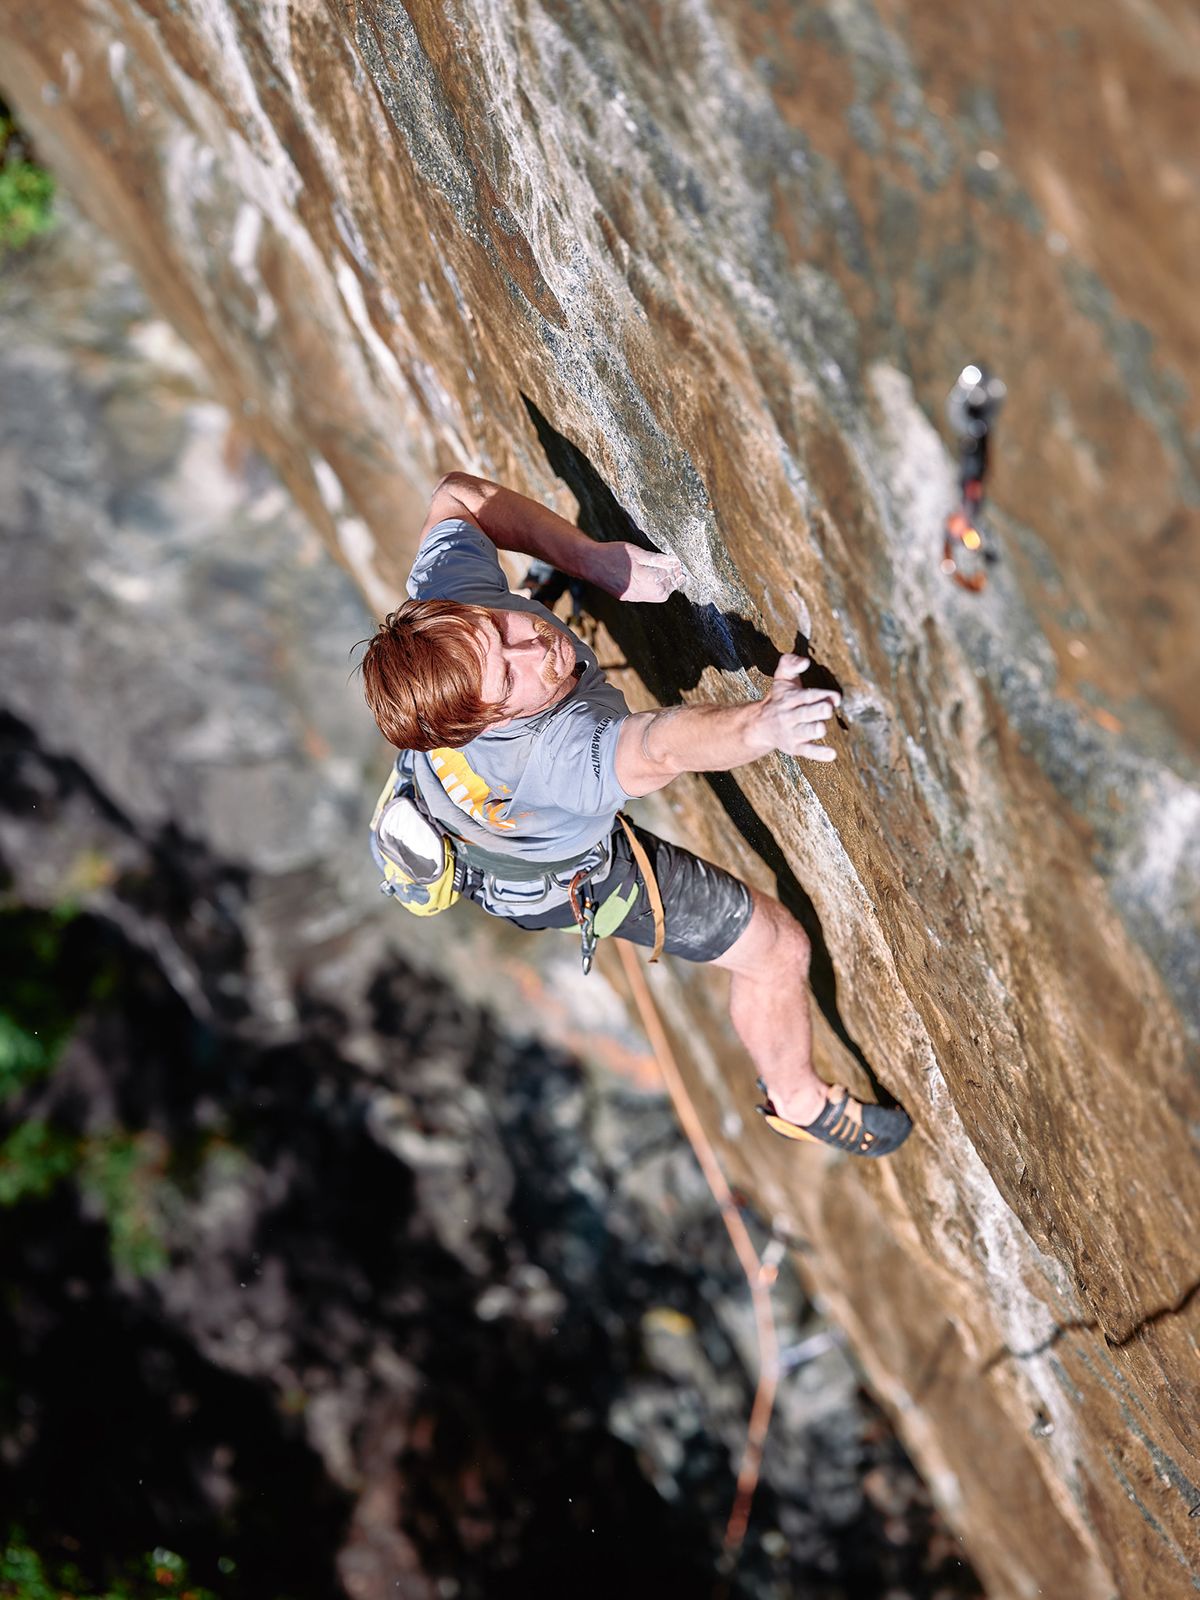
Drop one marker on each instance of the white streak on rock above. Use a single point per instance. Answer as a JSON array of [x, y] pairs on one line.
[[329, 485], [355, 303], [73, 71], [358, 547], [247, 230], [243, 253]]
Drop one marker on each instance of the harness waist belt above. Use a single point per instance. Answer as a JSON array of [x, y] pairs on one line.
[[513, 868]]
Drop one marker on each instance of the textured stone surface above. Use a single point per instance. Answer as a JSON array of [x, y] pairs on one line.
[[734, 254], [405, 1256]]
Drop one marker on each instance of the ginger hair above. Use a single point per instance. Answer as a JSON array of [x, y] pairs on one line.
[[423, 675]]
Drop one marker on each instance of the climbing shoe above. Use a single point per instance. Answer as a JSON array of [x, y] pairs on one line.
[[882, 1129]]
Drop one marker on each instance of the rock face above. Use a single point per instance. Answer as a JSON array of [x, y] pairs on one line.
[[349, 1285], [710, 269]]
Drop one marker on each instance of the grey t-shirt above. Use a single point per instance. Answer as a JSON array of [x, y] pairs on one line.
[[544, 788]]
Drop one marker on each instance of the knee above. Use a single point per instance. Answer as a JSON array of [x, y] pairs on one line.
[[797, 949], [789, 944], [773, 943]]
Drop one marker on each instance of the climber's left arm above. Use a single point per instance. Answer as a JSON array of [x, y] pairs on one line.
[[514, 522]]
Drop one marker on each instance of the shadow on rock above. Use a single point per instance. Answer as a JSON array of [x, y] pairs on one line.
[[669, 646]]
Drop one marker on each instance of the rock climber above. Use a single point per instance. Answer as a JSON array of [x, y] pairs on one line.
[[523, 754]]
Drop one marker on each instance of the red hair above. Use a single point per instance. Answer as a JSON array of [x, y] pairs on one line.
[[423, 675]]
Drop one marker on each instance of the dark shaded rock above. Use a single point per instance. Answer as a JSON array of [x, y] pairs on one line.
[[415, 1305]]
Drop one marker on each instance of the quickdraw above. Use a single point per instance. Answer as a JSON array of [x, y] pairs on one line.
[[583, 908], [971, 407]]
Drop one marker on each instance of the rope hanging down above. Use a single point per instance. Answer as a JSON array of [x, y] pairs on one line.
[[761, 1272]]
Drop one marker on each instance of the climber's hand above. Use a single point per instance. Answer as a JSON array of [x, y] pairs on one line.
[[632, 573], [792, 718]]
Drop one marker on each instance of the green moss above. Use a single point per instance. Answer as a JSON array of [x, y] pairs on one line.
[[21, 1572], [26, 198], [24, 1054], [47, 982], [26, 1575], [26, 189], [54, 970], [33, 1158], [128, 1172]]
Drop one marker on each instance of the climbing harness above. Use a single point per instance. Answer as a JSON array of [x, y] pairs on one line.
[[426, 866], [971, 408], [598, 922], [583, 908]]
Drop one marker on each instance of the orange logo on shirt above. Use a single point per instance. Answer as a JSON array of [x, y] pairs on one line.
[[467, 789]]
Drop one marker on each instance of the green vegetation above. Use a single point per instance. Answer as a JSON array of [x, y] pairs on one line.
[[26, 189], [33, 1158], [25, 1575], [24, 1054], [45, 988], [33, 1026], [128, 1174], [51, 976]]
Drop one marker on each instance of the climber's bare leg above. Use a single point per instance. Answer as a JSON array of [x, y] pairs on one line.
[[769, 1006]]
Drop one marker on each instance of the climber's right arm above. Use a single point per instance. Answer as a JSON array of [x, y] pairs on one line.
[[513, 521], [656, 746]]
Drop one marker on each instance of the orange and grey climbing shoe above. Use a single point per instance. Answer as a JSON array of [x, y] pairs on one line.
[[882, 1129]]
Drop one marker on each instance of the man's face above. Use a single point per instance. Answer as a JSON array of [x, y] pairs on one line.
[[528, 663]]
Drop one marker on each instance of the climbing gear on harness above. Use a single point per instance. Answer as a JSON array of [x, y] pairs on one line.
[[882, 1130], [600, 922], [512, 869], [971, 407], [583, 908], [416, 858], [510, 886]]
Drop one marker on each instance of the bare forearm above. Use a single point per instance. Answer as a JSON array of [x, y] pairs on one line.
[[514, 522], [656, 746]]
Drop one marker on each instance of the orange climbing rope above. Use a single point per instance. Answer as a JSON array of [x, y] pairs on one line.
[[760, 1274]]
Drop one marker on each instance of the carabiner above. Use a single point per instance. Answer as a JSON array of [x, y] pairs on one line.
[[587, 931], [583, 909]]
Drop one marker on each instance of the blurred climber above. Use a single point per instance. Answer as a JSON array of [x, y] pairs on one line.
[[517, 754]]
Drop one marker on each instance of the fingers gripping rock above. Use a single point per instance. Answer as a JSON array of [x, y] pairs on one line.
[[796, 717]]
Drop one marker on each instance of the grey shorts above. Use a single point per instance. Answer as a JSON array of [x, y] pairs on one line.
[[706, 908]]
